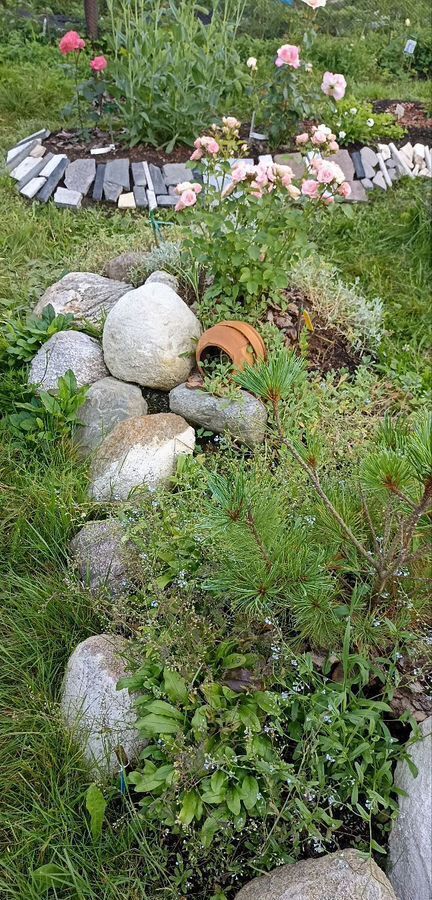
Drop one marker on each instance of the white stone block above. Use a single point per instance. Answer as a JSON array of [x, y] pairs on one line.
[[66, 199], [126, 201], [32, 187]]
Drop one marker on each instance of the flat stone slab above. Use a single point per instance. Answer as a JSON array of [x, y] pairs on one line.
[[295, 160], [35, 170], [151, 200], [378, 181], [358, 193], [166, 200], [175, 173], [38, 151], [80, 175], [53, 179], [127, 201], [140, 195], [138, 174], [66, 199], [99, 182], [111, 191], [148, 176], [343, 159], [43, 134], [21, 151], [117, 172], [51, 164], [369, 157], [157, 179], [367, 184], [358, 165], [31, 189]]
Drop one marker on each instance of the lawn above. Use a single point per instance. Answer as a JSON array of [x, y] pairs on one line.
[[383, 251]]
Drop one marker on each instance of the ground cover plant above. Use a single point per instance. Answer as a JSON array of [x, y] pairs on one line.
[[280, 607]]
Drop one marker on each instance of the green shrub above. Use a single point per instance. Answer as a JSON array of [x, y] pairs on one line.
[[355, 121], [171, 73]]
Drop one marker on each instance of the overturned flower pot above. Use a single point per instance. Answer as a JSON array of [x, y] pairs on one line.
[[238, 340]]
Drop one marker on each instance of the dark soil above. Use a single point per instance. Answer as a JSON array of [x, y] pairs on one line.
[[327, 348], [415, 119]]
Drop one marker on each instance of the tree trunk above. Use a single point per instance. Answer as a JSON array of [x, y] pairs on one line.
[[92, 18]]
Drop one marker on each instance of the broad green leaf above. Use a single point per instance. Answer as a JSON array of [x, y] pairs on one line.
[[153, 724], [95, 806], [249, 791], [189, 807], [51, 876], [234, 661], [266, 701], [161, 708], [233, 800], [209, 830], [175, 686], [218, 781]]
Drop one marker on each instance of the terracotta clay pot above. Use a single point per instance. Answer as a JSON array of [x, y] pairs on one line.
[[239, 340]]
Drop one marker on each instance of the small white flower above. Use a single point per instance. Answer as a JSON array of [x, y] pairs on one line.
[[370, 122], [407, 22], [342, 135], [308, 67], [252, 63], [353, 110]]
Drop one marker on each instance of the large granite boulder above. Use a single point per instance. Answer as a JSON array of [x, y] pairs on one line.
[[244, 417], [122, 267], [140, 451], [103, 558], [87, 296], [63, 351], [410, 844], [108, 402], [149, 337], [101, 719], [344, 875]]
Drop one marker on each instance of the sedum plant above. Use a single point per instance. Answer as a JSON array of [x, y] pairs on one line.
[[360, 551]]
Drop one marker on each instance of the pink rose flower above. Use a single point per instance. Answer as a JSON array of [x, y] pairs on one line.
[[310, 188], [99, 64], [288, 55], [326, 172], [231, 122], [188, 198], [302, 138], [70, 42], [319, 137], [240, 172], [315, 4], [344, 189], [333, 85], [333, 146], [293, 191], [197, 187], [209, 144], [197, 154]]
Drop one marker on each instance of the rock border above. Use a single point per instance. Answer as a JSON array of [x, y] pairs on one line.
[[44, 176]]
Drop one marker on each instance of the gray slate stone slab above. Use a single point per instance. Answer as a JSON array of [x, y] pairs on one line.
[[378, 181], [384, 170], [52, 181], [32, 187], [66, 199], [148, 176], [140, 195], [157, 178], [151, 200], [295, 160], [138, 174], [367, 184], [26, 167], [166, 200], [39, 165], [43, 134], [80, 175], [358, 193], [99, 182], [244, 418], [358, 165], [343, 159], [108, 402], [17, 154], [117, 172], [51, 164], [111, 191], [369, 157], [401, 161], [175, 173]]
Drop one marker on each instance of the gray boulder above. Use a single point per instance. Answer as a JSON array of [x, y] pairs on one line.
[[163, 278], [122, 267], [108, 402], [149, 337], [245, 417], [410, 844], [87, 296], [140, 451], [67, 350], [101, 719], [102, 557], [344, 875]]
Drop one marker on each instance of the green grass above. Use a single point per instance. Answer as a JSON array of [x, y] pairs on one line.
[[43, 500]]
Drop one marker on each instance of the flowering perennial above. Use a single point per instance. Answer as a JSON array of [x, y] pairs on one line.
[[333, 85], [320, 138], [71, 42], [99, 64], [288, 55]]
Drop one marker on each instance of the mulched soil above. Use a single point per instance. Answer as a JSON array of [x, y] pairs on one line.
[[328, 348], [415, 119]]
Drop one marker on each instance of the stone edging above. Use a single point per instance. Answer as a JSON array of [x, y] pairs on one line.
[[42, 176]]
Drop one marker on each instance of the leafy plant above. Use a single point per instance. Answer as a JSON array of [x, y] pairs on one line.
[[266, 766], [171, 72], [355, 121], [48, 417], [24, 337]]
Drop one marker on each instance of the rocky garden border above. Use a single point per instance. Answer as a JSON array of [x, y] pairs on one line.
[[42, 175]]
